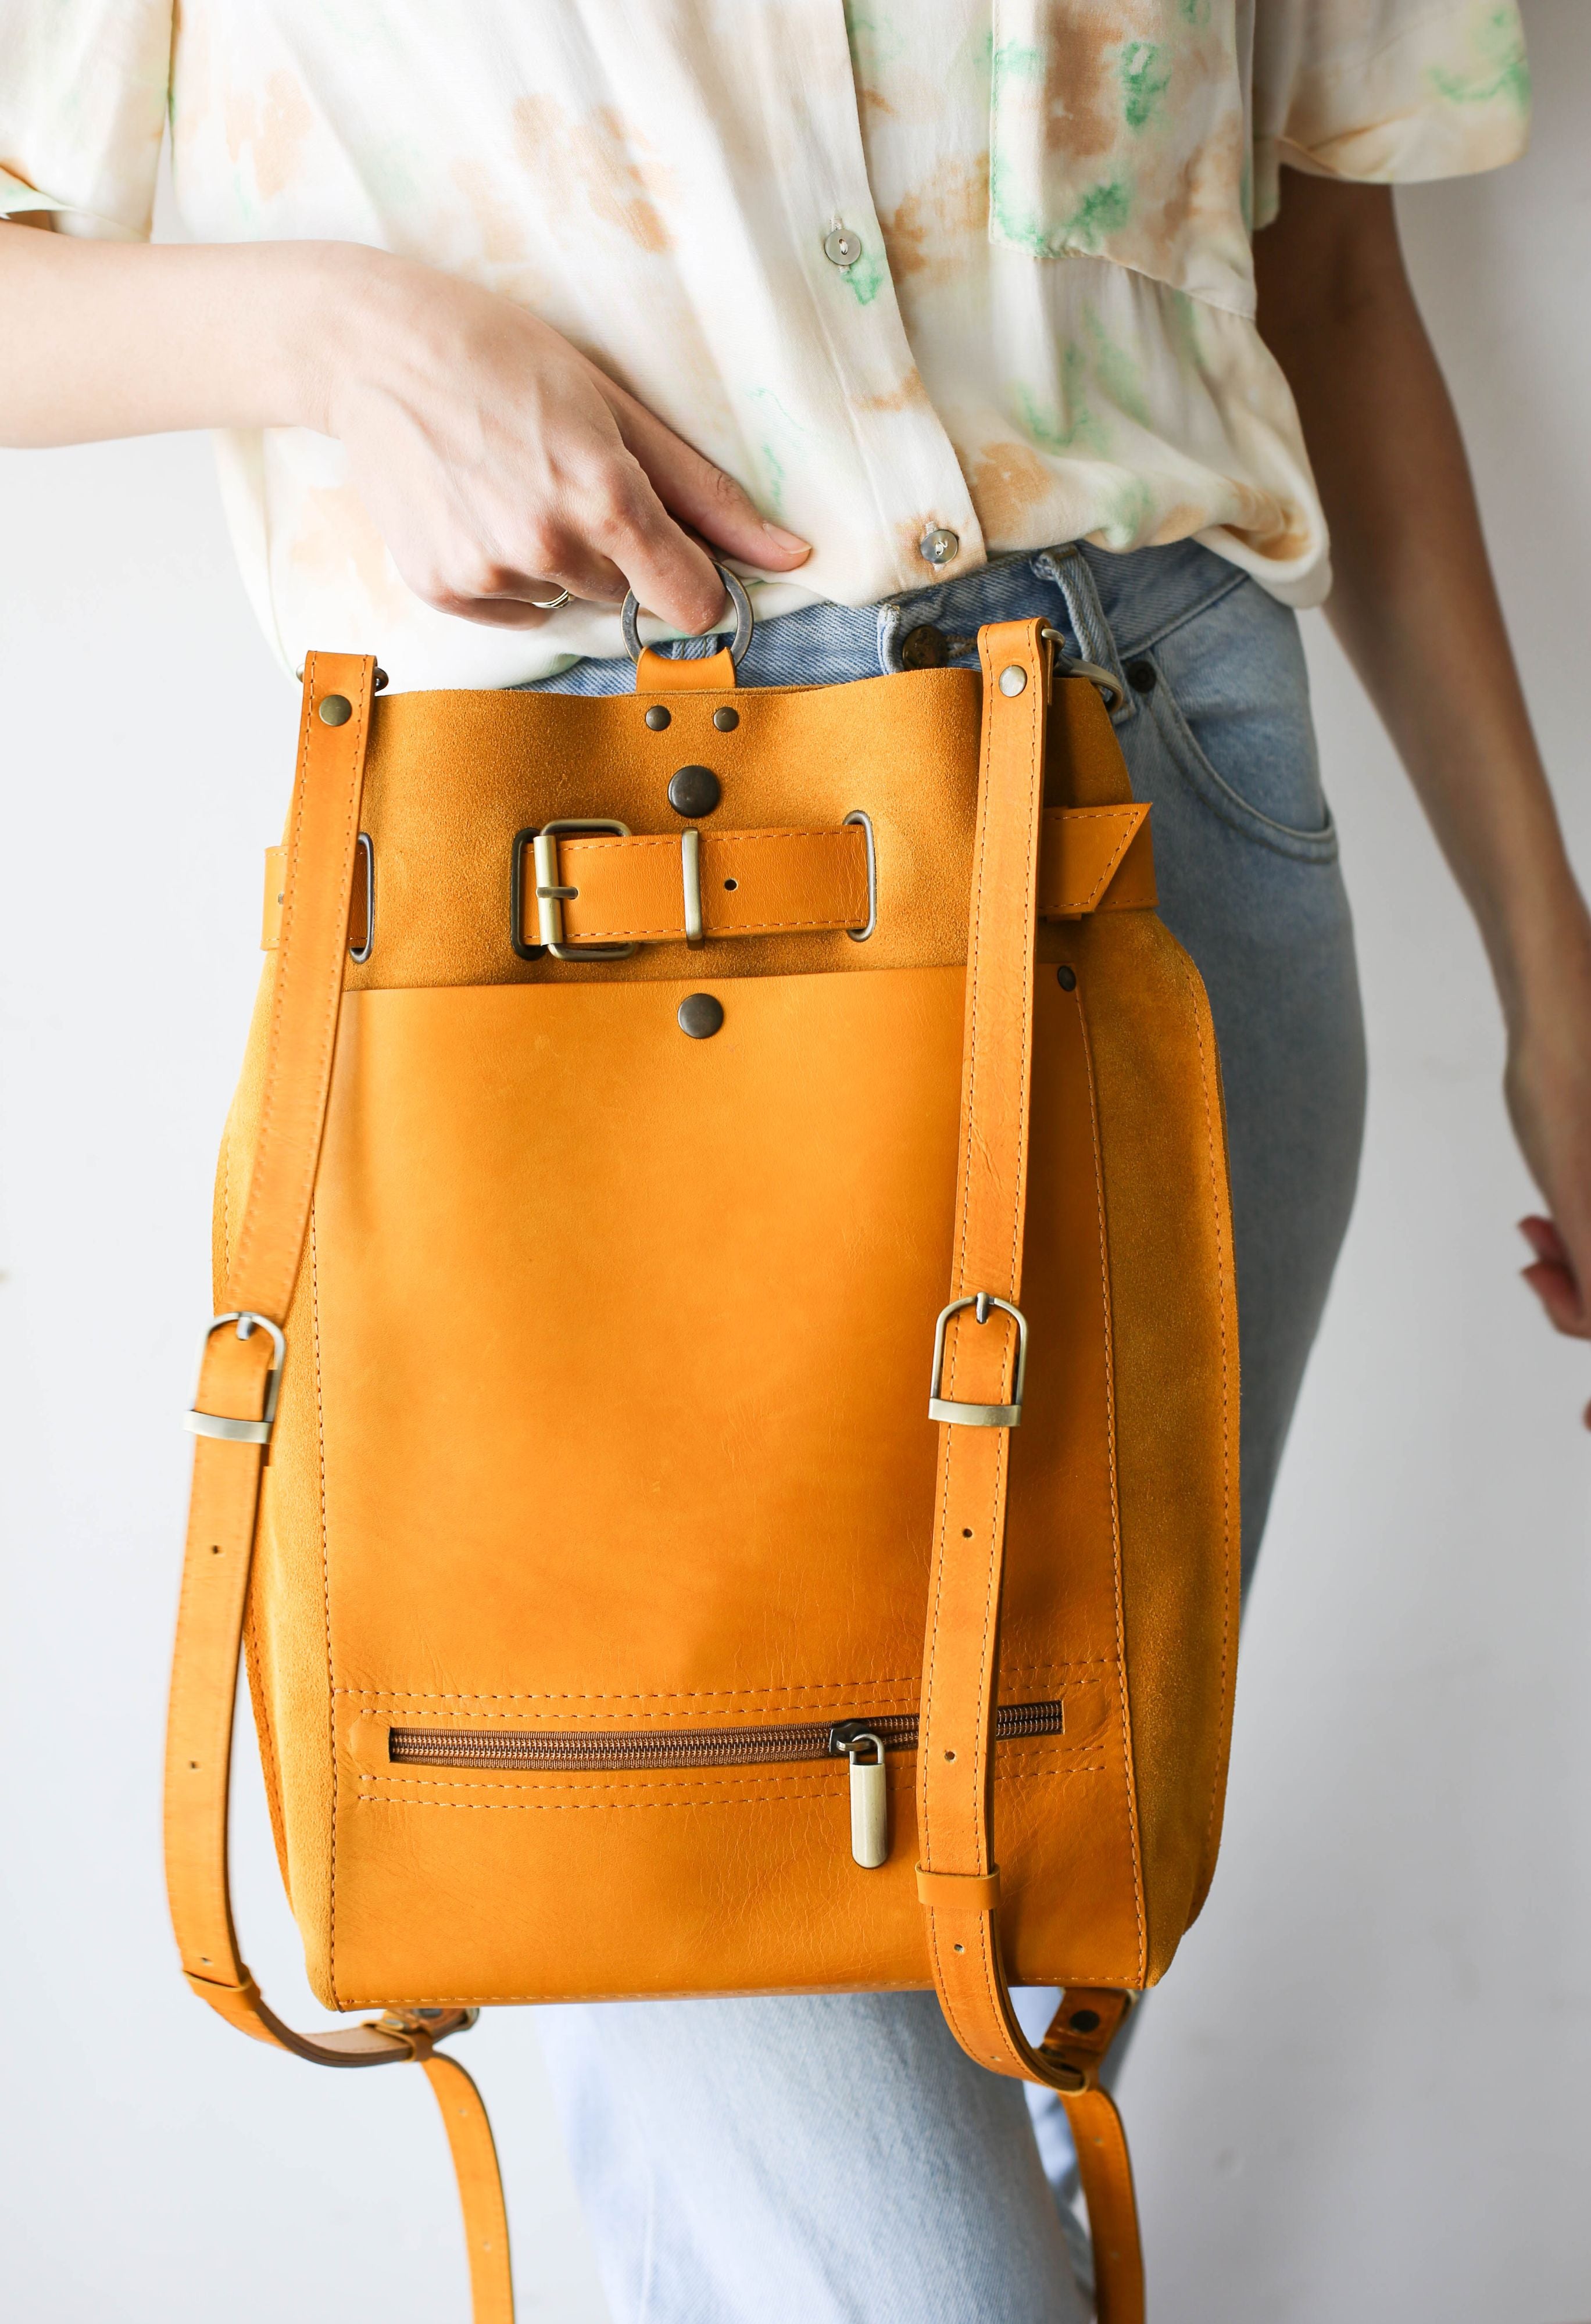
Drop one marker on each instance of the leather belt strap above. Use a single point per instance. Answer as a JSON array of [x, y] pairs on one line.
[[754, 883], [957, 1880], [236, 1394]]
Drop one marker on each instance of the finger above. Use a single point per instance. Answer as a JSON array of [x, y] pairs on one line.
[[1544, 1240], [672, 575], [701, 494], [1559, 1295]]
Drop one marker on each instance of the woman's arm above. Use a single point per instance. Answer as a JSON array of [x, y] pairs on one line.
[[1416, 609], [499, 464]]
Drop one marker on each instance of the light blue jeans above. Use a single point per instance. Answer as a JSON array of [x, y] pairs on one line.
[[837, 2160]]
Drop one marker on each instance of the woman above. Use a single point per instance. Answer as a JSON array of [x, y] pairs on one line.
[[951, 320]]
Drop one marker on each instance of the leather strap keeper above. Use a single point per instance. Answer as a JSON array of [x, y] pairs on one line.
[[959, 1891]]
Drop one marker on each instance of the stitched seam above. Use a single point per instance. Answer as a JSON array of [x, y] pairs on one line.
[[1204, 1078], [609, 1807], [734, 928], [508, 2000], [278, 1001], [326, 1591], [753, 1787], [1109, 872], [333, 997], [597, 845], [1130, 1799], [676, 1694]]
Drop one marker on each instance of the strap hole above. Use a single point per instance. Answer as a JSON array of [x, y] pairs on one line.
[[949, 1755], [959, 1949], [1083, 2021], [732, 883], [966, 1533]]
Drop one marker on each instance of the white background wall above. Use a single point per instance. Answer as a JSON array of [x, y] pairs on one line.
[[1364, 2093]]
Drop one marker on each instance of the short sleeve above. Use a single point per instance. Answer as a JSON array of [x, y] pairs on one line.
[[1386, 91], [83, 101]]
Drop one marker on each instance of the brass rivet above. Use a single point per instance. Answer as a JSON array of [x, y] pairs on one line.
[[657, 718], [700, 1015], [694, 790], [336, 710], [1012, 678], [725, 720]]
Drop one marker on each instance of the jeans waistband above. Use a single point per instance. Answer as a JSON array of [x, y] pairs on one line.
[[1106, 607]]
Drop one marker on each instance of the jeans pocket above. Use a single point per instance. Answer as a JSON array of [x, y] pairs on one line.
[[1229, 693]]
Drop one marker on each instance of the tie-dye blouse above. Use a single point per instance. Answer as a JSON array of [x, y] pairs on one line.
[[936, 280]]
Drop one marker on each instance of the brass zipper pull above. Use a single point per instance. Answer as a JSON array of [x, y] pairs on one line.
[[869, 1791]]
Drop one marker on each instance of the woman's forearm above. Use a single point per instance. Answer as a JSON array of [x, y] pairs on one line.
[[1414, 603], [101, 339]]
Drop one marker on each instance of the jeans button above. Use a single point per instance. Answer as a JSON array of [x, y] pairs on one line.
[[1141, 677], [924, 647]]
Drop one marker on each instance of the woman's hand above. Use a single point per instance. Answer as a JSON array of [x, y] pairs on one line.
[[1548, 1083], [501, 465]]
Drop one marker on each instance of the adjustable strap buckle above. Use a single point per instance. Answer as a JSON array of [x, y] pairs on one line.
[[551, 896], [979, 1415], [222, 1424]]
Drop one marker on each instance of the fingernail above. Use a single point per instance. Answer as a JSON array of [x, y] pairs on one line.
[[783, 540]]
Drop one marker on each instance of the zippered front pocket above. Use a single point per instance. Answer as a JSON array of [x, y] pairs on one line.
[[864, 1742]]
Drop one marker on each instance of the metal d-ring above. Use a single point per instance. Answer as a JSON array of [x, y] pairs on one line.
[[860, 936], [745, 621], [364, 858], [1069, 666]]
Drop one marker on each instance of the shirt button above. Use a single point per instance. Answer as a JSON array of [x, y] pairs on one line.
[[841, 247], [939, 545]]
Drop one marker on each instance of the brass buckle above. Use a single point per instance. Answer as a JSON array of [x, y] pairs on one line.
[[221, 1423], [551, 896], [979, 1415]]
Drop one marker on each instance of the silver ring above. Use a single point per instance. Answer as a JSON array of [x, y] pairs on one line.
[[745, 619], [550, 604]]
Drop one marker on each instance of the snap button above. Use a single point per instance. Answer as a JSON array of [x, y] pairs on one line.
[[700, 1015], [924, 647], [694, 790], [939, 545], [841, 247], [336, 710]]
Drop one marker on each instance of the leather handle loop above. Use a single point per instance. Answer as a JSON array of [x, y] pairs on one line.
[[322, 835], [958, 1883]]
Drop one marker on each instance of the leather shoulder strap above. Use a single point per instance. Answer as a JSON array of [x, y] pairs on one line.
[[243, 1357], [977, 1399]]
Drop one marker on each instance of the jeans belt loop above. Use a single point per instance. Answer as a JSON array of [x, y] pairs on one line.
[[1073, 576]]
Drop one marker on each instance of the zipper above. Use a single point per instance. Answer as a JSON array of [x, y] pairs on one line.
[[864, 1742]]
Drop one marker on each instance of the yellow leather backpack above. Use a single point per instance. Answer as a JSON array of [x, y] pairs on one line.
[[681, 1137]]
